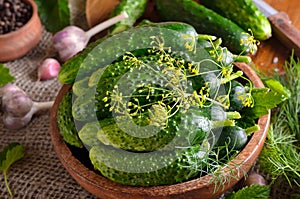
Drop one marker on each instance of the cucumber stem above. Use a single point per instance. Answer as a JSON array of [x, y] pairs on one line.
[[251, 129], [217, 43], [98, 28], [242, 58], [233, 115], [206, 37], [231, 77], [222, 123]]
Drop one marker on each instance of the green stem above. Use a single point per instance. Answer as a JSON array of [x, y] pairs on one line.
[[252, 129], [231, 77], [6, 183], [242, 58], [222, 123], [233, 115], [206, 37], [217, 43]]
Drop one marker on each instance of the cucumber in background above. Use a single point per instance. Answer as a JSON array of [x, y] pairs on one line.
[[134, 8], [206, 21], [244, 13]]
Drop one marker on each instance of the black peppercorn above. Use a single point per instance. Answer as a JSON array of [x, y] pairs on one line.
[[13, 15]]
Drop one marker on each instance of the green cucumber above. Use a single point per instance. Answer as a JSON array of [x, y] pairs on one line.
[[134, 9], [65, 121], [88, 134], [136, 39], [104, 80], [244, 13], [182, 130], [135, 137], [148, 169], [140, 135], [234, 137], [207, 21], [237, 96]]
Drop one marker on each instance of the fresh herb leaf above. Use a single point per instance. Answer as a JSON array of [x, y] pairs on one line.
[[267, 98], [280, 156], [5, 76], [55, 14], [251, 192], [276, 86], [10, 154]]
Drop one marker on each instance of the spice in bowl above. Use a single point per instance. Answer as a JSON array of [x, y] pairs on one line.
[[13, 15]]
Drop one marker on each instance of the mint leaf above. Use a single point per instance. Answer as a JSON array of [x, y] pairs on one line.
[[5, 77], [251, 192], [55, 14], [10, 154]]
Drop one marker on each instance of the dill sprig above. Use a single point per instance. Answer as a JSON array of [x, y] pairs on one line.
[[280, 156]]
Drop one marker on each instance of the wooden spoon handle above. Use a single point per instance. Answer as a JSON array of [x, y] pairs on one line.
[[286, 32]]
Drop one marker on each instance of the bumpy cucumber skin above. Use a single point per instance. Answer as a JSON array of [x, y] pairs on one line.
[[113, 135], [134, 9], [236, 96], [172, 169], [206, 21], [83, 107], [244, 13], [66, 123], [88, 134], [108, 50], [182, 130], [233, 136]]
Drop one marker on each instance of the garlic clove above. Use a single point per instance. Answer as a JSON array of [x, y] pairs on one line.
[[15, 123], [69, 41], [48, 69], [15, 101]]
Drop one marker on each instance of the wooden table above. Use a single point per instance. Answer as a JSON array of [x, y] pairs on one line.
[[272, 54]]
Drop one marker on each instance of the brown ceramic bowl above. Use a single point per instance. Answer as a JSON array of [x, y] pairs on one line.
[[18, 43], [201, 187]]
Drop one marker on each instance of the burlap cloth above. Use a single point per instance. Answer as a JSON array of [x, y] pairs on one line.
[[40, 174]]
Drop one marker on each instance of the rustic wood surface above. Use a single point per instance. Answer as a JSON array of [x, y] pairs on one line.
[[272, 54]]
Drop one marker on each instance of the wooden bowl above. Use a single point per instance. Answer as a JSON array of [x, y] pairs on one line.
[[18, 43], [201, 187]]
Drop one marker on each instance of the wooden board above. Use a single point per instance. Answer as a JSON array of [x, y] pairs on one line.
[[272, 54]]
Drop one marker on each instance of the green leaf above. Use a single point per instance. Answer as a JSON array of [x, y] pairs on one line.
[[5, 77], [276, 86], [264, 100], [10, 154], [251, 192], [55, 14]]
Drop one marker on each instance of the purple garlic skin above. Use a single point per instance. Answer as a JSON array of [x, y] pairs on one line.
[[48, 69], [15, 101], [69, 41], [15, 123]]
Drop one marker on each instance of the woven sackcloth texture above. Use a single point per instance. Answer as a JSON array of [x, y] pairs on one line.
[[39, 174]]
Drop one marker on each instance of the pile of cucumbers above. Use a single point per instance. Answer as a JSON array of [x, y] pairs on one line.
[[159, 103]]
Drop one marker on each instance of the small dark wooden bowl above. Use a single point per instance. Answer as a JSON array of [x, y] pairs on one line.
[[18, 43], [198, 188]]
